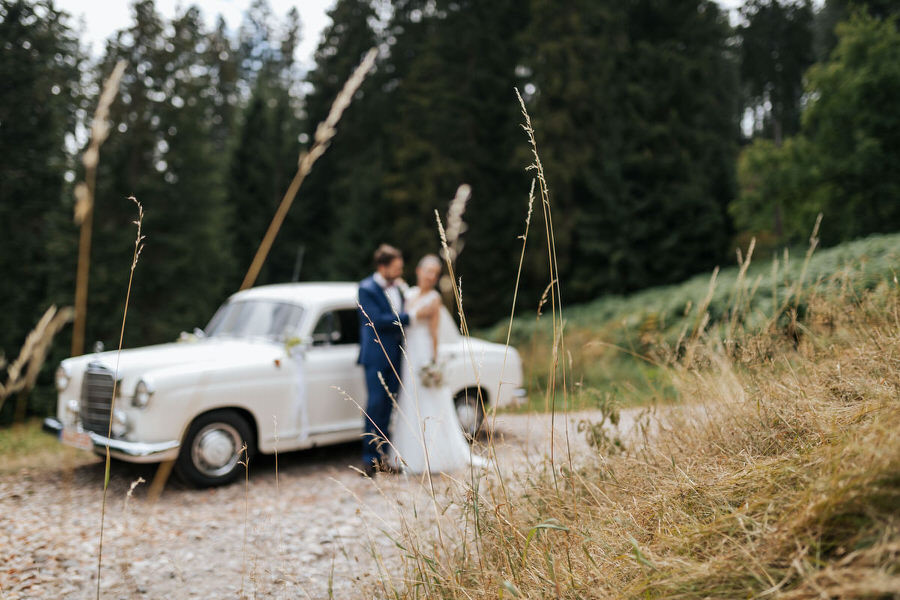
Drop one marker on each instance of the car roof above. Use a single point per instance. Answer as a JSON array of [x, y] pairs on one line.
[[303, 293]]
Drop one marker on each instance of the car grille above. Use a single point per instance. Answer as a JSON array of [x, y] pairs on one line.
[[96, 398]]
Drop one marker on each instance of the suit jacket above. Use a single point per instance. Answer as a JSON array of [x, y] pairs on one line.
[[378, 310]]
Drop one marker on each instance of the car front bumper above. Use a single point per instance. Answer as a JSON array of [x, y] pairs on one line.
[[128, 451]]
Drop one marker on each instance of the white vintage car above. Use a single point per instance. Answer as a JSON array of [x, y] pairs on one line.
[[275, 365]]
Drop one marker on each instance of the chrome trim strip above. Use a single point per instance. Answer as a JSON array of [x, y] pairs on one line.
[[337, 427], [53, 426]]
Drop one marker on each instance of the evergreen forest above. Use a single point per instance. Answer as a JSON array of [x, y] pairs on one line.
[[670, 132]]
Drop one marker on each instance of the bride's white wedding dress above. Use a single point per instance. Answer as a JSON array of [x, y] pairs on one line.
[[426, 431]]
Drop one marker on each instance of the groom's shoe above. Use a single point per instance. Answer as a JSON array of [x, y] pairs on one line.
[[368, 470], [386, 467]]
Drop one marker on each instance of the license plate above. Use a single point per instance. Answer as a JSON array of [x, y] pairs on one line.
[[76, 439]]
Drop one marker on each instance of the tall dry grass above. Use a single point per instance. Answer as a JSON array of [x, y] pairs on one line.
[[21, 374], [138, 248], [776, 477]]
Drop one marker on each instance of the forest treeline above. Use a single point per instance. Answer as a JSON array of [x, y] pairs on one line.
[[638, 107]]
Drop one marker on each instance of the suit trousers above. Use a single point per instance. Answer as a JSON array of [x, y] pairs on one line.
[[378, 412]]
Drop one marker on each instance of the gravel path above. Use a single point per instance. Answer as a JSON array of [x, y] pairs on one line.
[[307, 532]]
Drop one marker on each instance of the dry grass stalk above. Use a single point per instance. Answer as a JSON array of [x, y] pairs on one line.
[[246, 464], [138, 247], [793, 293], [451, 238], [22, 373], [557, 369], [512, 311], [324, 134], [84, 201], [427, 570]]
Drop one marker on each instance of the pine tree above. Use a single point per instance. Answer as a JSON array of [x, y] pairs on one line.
[[264, 158], [776, 50], [455, 120], [39, 68], [680, 108], [344, 189], [162, 153], [223, 60], [635, 111], [573, 63]]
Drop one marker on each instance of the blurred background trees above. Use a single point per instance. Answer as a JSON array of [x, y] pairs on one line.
[[842, 159], [669, 135]]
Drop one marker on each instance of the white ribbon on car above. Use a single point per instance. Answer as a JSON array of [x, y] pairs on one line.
[[301, 415]]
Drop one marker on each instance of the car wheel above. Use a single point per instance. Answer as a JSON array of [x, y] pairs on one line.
[[213, 448], [469, 411]]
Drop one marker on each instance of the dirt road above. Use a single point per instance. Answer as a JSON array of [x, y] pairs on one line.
[[311, 531]]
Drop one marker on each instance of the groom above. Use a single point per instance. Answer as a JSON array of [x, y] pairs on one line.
[[380, 340]]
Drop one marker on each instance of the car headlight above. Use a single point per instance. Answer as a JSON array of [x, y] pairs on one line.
[[62, 378], [142, 394]]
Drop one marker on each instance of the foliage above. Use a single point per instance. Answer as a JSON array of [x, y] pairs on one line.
[[163, 155], [841, 162], [344, 191], [853, 128], [264, 156], [635, 108], [833, 12], [614, 341], [41, 93], [453, 120], [775, 190], [776, 50]]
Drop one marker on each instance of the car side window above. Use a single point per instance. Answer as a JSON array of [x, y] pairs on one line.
[[349, 320], [336, 327], [327, 331]]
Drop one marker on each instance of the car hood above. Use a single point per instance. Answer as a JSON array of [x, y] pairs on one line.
[[202, 354]]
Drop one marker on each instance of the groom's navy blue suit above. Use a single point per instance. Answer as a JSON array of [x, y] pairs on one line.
[[379, 353]]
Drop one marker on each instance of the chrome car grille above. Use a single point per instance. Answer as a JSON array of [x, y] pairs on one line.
[[96, 398]]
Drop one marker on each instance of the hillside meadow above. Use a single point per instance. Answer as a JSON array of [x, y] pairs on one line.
[[617, 347], [773, 476]]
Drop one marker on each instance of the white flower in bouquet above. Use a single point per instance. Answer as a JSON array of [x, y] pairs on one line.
[[432, 375]]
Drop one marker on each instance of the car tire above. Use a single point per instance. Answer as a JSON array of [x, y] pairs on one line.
[[469, 411], [213, 448]]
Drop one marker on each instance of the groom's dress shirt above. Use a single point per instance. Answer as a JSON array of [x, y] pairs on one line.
[[392, 292]]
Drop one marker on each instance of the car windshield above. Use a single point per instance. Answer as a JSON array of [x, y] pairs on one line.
[[255, 319]]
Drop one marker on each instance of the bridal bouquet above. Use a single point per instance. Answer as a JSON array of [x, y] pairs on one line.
[[432, 375]]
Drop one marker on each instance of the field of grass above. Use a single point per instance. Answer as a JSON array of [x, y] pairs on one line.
[[616, 347], [25, 446], [775, 476]]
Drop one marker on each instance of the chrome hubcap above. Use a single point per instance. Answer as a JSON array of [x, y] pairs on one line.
[[216, 449]]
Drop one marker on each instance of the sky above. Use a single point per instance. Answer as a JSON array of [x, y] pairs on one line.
[[102, 19]]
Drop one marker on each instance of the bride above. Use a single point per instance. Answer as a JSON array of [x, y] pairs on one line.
[[427, 435]]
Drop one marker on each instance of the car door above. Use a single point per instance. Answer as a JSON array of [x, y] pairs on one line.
[[335, 384]]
